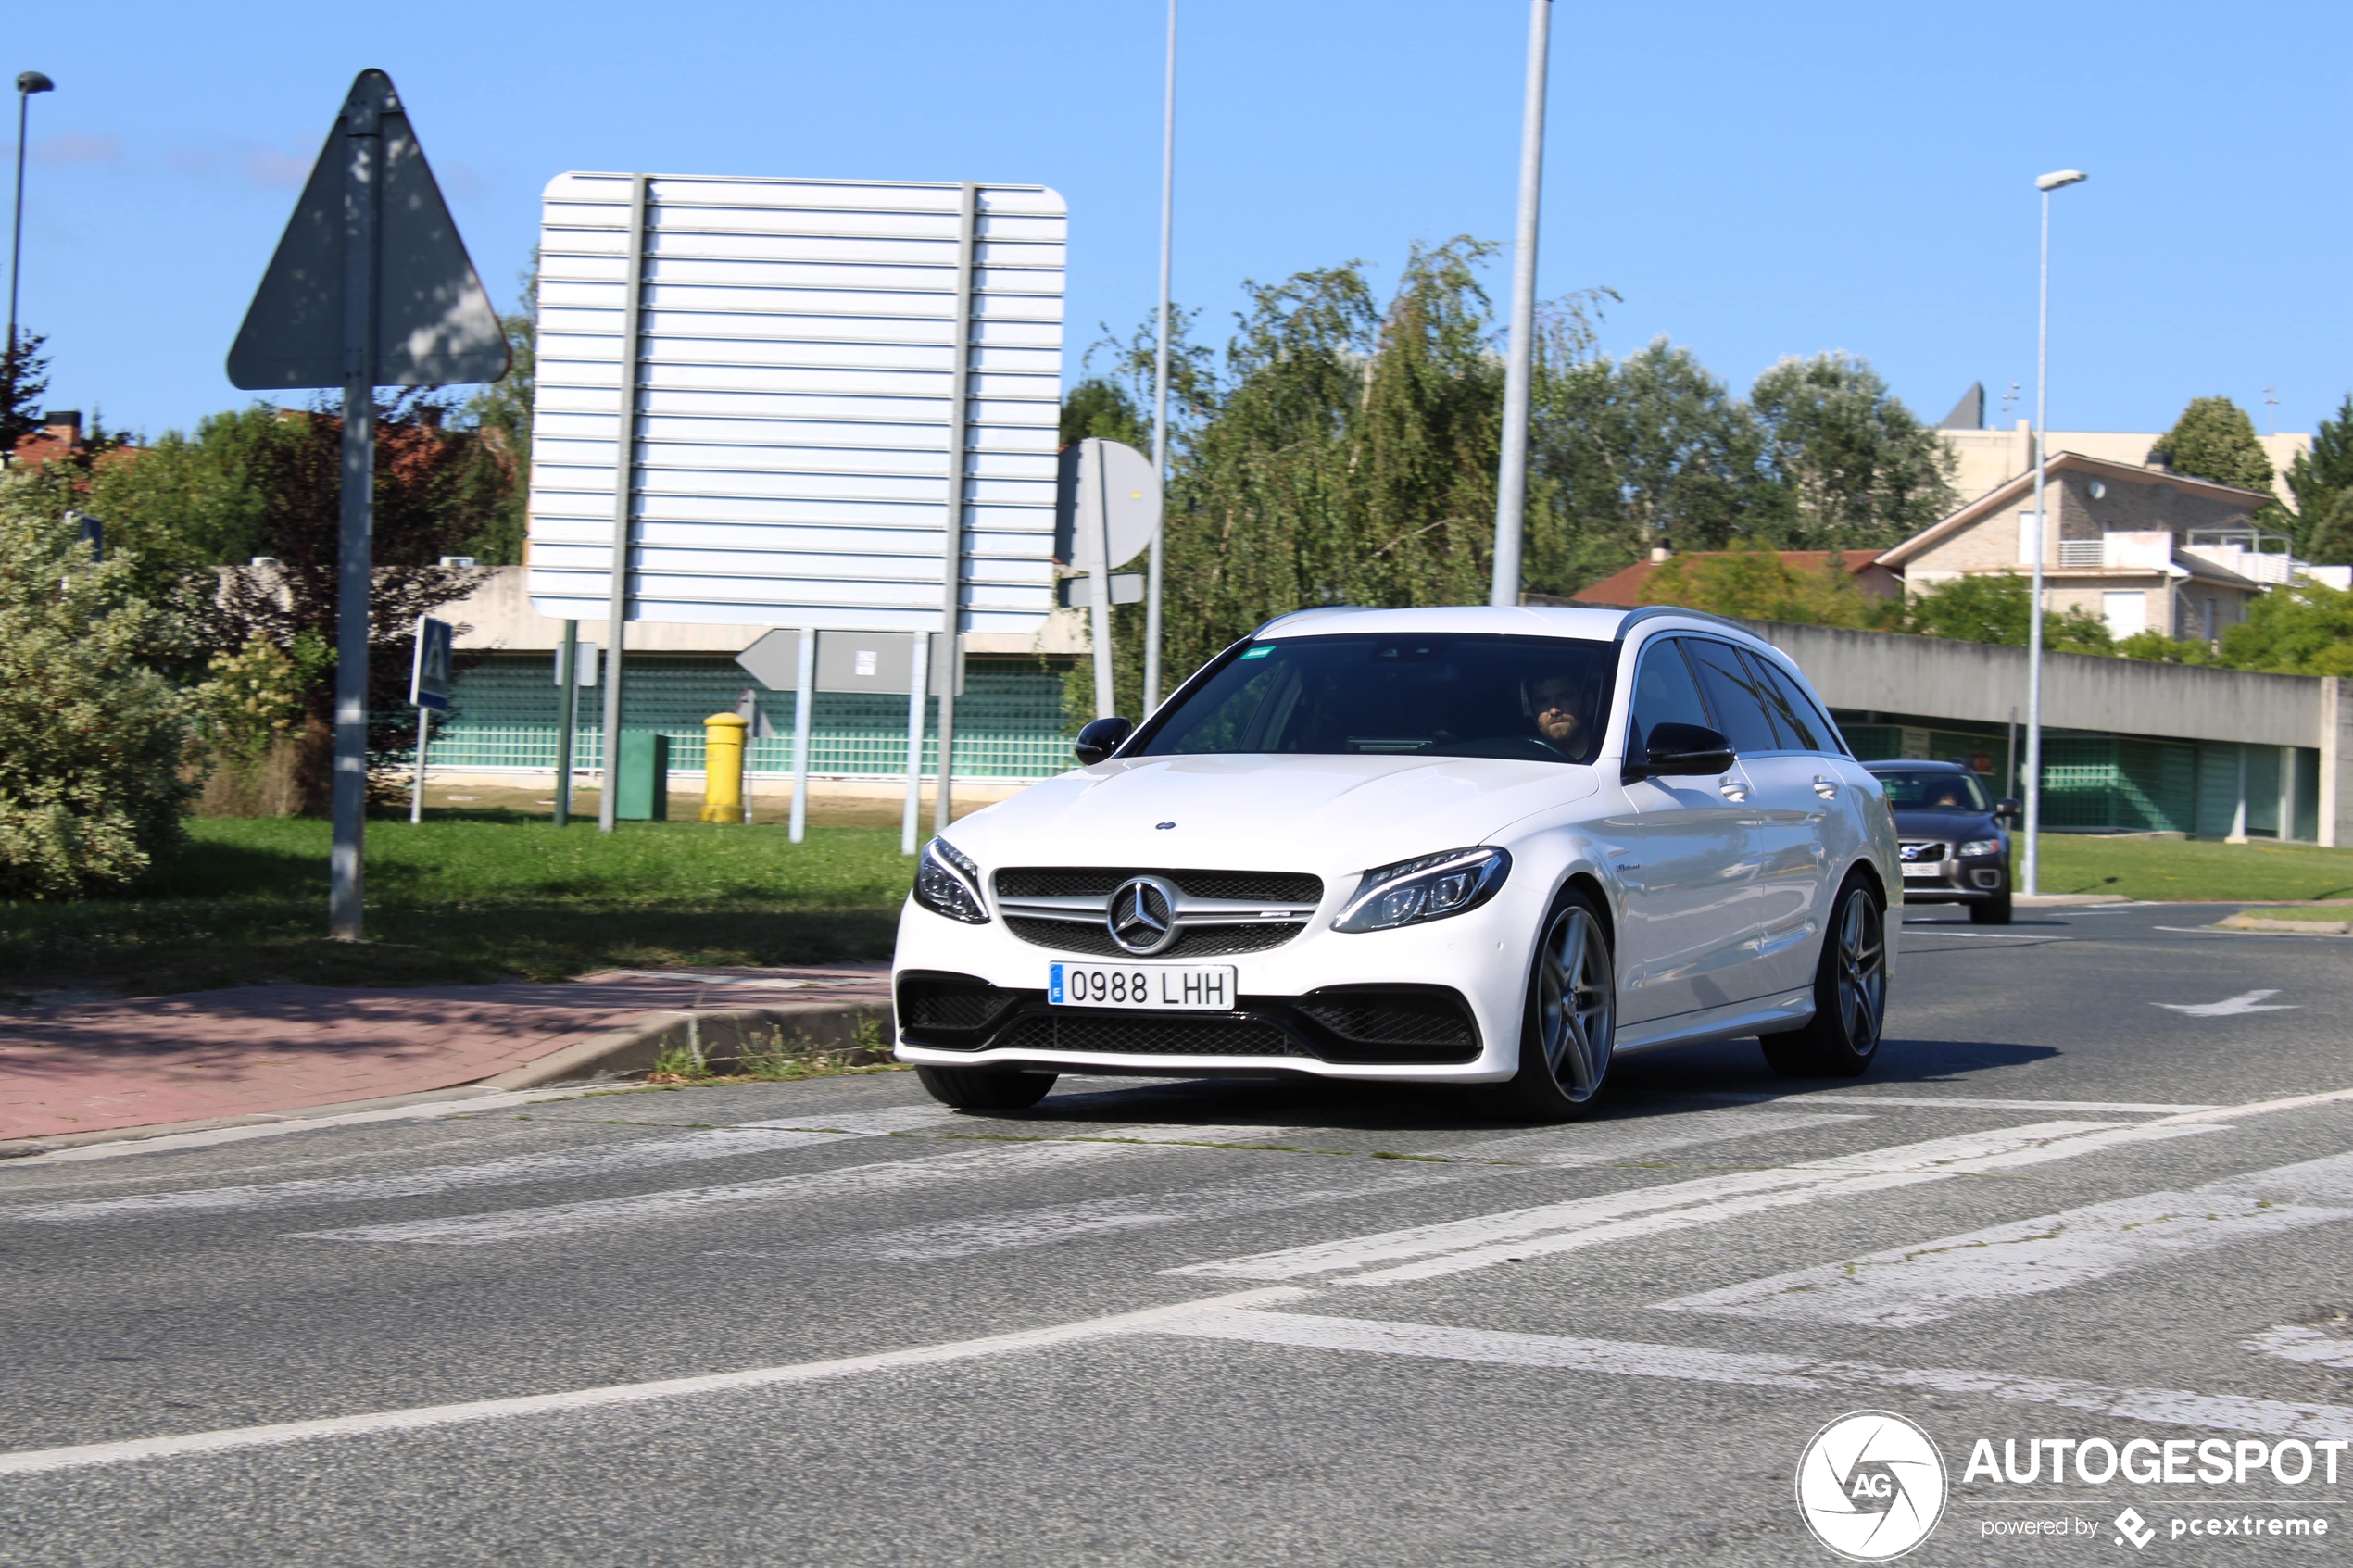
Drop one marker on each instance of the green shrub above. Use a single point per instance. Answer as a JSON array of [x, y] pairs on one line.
[[92, 736]]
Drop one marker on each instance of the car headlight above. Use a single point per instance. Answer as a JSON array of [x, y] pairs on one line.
[[947, 883], [1981, 846], [1430, 888]]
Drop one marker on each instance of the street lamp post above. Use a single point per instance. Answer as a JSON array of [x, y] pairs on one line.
[[2046, 183], [1511, 478], [1159, 374], [28, 83]]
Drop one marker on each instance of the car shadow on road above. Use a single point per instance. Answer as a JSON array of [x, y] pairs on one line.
[[1666, 1083]]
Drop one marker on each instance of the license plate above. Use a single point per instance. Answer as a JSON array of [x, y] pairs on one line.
[[1195, 987]]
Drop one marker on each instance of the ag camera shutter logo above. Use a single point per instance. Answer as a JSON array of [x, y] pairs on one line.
[[1872, 1485]]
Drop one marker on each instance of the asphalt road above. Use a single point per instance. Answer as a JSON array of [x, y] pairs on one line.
[[1240, 1322]]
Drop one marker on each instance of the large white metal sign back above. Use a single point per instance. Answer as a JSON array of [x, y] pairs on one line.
[[797, 402]]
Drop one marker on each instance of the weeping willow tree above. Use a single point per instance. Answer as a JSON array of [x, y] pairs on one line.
[[1339, 450]]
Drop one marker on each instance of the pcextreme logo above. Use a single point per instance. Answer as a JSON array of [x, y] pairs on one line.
[[1872, 1485]]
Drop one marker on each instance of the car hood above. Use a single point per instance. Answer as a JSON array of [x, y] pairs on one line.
[[1265, 812], [1957, 826]]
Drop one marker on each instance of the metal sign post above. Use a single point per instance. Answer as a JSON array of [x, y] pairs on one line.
[[918, 666], [567, 716], [429, 688], [370, 286]]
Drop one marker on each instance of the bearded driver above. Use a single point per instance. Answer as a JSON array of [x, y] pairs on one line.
[[1559, 702]]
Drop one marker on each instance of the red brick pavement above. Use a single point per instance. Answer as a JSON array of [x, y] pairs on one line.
[[255, 1050]]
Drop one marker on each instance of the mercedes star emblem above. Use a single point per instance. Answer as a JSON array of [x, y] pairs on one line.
[[1141, 916]]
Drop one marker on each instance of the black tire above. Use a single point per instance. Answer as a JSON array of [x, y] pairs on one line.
[[1850, 994], [1570, 1024], [982, 1088], [1992, 912]]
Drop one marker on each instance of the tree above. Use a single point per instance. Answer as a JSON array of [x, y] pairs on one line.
[[2306, 629], [1103, 408], [2214, 439], [1649, 450], [24, 382], [92, 736], [1753, 583], [1993, 607], [425, 507], [2322, 482], [1857, 470], [501, 412]]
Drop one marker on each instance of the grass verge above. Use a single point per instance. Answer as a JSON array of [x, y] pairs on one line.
[[468, 897], [2195, 870]]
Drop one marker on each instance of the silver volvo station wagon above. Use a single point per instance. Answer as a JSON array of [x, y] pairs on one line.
[[1496, 847]]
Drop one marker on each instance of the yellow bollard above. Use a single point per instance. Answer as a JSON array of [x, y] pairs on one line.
[[722, 787]]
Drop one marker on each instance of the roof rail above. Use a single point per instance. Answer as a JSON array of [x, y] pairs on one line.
[[1310, 610], [1652, 612]]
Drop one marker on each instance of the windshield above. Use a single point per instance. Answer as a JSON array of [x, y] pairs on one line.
[[1542, 699], [1934, 792]]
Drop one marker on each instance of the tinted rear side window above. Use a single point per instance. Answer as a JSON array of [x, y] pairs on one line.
[[1793, 716], [1735, 693], [1812, 722]]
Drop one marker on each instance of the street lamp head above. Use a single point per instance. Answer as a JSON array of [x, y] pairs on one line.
[[2063, 177], [34, 82]]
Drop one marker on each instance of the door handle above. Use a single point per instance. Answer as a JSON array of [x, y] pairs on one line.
[[1825, 786], [1733, 792]]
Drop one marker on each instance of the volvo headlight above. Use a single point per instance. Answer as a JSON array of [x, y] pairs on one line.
[[1981, 846], [1430, 888], [947, 883]]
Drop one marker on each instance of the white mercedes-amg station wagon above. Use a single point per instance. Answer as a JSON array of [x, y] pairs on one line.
[[1492, 847]]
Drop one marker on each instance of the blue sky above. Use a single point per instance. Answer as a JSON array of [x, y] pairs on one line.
[[1754, 180]]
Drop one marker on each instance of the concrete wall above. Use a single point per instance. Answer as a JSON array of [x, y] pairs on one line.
[[1883, 672]]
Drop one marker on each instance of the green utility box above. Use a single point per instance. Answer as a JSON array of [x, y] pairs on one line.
[[644, 778]]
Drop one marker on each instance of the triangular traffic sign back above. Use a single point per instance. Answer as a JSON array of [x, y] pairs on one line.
[[435, 325]]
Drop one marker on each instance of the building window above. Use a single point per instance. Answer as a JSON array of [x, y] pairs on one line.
[[2213, 619], [2127, 612]]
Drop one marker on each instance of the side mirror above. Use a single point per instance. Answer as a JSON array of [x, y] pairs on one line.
[[1100, 739], [2009, 811], [1680, 750]]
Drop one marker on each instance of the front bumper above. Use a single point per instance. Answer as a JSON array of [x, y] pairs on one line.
[[1955, 881], [1288, 1019]]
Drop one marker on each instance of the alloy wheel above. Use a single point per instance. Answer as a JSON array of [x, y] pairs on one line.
[[1575, 999], [1862, 971]]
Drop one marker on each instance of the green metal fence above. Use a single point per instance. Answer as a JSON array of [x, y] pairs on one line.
[[1008, 722]]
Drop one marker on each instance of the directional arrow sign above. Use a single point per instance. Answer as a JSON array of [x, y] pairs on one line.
[[2249, 1002], [433, 322]]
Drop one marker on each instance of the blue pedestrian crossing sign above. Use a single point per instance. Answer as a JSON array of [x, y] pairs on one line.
[[429, 675]]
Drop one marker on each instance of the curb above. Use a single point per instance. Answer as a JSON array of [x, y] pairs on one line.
[[719, 1036]]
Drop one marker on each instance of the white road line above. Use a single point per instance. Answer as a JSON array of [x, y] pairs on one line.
[[2309, 1346], [2248, 1002], [2094, 1107], [36, 1461], [2166, 1406], [1906, 1286], [1293, 1188], [984, 1161], [295, 1122], [1606, 1143], [1428, 1251], [720, 1143]]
